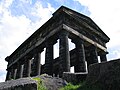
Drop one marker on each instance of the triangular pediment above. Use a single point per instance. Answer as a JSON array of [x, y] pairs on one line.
[[84, 20]]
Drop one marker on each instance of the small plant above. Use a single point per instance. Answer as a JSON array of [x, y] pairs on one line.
[[70, 87], [81, 86], [40, 85]]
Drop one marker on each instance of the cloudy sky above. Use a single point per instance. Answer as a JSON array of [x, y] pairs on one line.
[[20, 18]]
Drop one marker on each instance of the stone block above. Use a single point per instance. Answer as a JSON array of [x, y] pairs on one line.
[[106, 75], [74, 78], [19, 84]]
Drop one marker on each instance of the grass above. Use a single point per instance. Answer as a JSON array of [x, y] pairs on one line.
[[40, 85], [70, 87], [87, 87], [81, 86]]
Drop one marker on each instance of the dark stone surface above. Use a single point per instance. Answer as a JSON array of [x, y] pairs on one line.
[[64, 55], [49, 57], [53, 83], [74, 78], [106, 75], [80, 65], [19, 84]]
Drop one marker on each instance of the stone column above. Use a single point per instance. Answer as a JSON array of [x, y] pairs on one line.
[[18, 70], [25, 68], [103, 56], [15, 72], [64, 55], [8, 76], [37, 63], [29, 67], [49, 57], [21, 71], [12, 72], [80, 56], [93, 54]]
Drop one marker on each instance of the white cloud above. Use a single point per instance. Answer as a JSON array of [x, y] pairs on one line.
[[106, 13], [15, 29], [2, 78], [43, 13]]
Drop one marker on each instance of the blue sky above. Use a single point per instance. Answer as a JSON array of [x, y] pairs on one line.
[[20, 18]]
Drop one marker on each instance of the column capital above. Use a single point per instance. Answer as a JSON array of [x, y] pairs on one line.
[[102, 53], [77, 41], [93, 54], [63, 32], [50, 42]]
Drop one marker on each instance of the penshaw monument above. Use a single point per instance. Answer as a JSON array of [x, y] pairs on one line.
[[90, 43]]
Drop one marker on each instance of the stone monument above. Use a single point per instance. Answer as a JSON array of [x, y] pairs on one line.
[[90, 42]]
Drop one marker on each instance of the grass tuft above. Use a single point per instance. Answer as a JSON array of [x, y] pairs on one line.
[[81, 86], [70, 87], [40, 85]]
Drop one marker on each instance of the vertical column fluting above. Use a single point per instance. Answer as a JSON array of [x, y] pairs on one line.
[[29, 67], [37, 63], [80, 65], [21, 71], [103, 56], [25, 66], [12, 72], [93, 54], [18, 70], [64, 55], [49, 57], [15, 72]]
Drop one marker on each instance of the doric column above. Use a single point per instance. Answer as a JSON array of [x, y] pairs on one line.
[[21, 71], [103, 56], [8, 76], [12, 72], [93, 54], [49, 57], [15, 72], [80, 65], [29, 67], [37, 63], [25, 68], [64, 55]]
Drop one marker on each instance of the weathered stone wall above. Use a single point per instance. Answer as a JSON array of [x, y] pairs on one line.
[[74, 78], [106, 75]]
